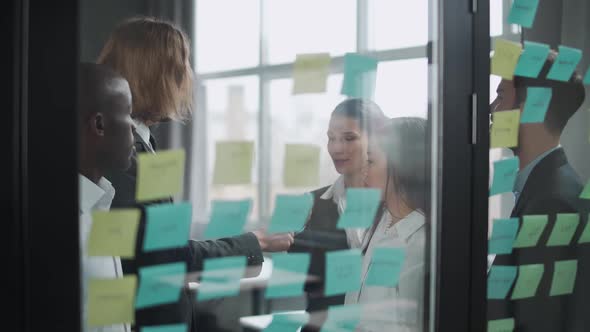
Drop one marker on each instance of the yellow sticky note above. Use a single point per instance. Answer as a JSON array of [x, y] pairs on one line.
[[302, 165], [111, 301], [310, 73], [233, 162], [113, 233], [504, 133], [506, 54], [159, 175]]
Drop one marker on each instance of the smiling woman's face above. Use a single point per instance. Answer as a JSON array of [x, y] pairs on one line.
[[347, 145]]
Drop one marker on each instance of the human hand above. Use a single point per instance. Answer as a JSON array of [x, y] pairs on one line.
[[274, 242]]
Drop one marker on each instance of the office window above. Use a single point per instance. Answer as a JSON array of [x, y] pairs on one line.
[[393, 24]]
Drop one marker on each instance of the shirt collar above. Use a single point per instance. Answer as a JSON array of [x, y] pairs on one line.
[[143, 131], [336, 191], [410, 224], [95, 196], [524, 173]]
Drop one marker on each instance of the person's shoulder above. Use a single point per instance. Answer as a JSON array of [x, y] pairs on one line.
[[317, 193]]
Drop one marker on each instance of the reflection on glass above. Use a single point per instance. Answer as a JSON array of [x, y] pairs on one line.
[[402, 87], [395, 26]]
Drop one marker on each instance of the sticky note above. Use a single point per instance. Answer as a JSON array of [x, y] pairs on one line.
[[302, 165], [287, 322], [585, 194], [506, 54], [167, 226], [221, 277], [159, 175], [166, 328], [564, 277], [585, 237], [529, 277], [587, 77], [160, 284], [385, 267], [289, 272], [500, 279], [290, 213], [113, 233], [110, 301], [503, 236], [564, 229], [342, 318], [361, 206], [530, 231], [227, 218], [532, 59], [536, 105], [343, 271], [233, 163], [505, 172], [523, 12], [360, 75], [504, 132], [501, 325], [310, 73], [565, 64]]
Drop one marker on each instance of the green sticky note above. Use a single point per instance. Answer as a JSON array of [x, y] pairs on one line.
[[310, 73], [565, 64], [501, 325], [160, 284], [289, 272], [523, 12], [361, 206], [564, 229], [585, 237], [585, 194], [529, 277], [227, 218], [287, 322], [505, 172], [564, 277], [167, 226], [536, 105], [500, 279], [505, 58], [359, 76], [504, 132], [385, 267], [165, 328], [159, 175], [290, 213], [343, 271], [503, 235], [532, 59], [302, 165], [113, 233], [233, 163], [110, 301], [342, 318], [530, 231], [221, 277], [587, 77]]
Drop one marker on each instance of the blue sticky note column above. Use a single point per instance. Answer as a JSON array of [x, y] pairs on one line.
[[359, 76], [523, 12], [166, 328], [505, 172], [167, 226], [160, 284], [503, 236], [500, 280], [289, 272], [385, 267], [290, 213], [287, 322], [221, 277], [361, 207], [532, 59], [342, 318], [343, 271], [565, 64], [536, 104], [587, 77], [227, 218]]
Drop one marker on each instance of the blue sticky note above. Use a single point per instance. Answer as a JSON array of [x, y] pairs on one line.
[[359, 76], [505, 172], [523, 12], [227, 218], [565, 64], [221, 277], [287, 322], [587, 77], [361, 207], [385, 267], [167, 226], [290, 213], [532, 59], [289, 272], [343, 271], [503, 236], [500, 279], [165, 328], [342, 318], [536, 105], [160, 284]]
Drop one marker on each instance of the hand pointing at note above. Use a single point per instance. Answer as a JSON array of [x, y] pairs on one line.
[[274, 242]]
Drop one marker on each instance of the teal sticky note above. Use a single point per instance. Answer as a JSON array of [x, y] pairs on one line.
[[361, 207], [167, 226], [227, 218], [500, 279], [585, 194], [503, 236], [532, 59], [501, 325], [530, 231], [536, 105], [289, 272], [165, 328], [505, 172], [342, 318], [564, 229], [523, 12], [160, 284], [290, 213], [587, 77], [343, 271], [287, 322], [221, 277], [565, 64], [385, 267], [529, 277], [564, 277], [359, 76], [585, 237]]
